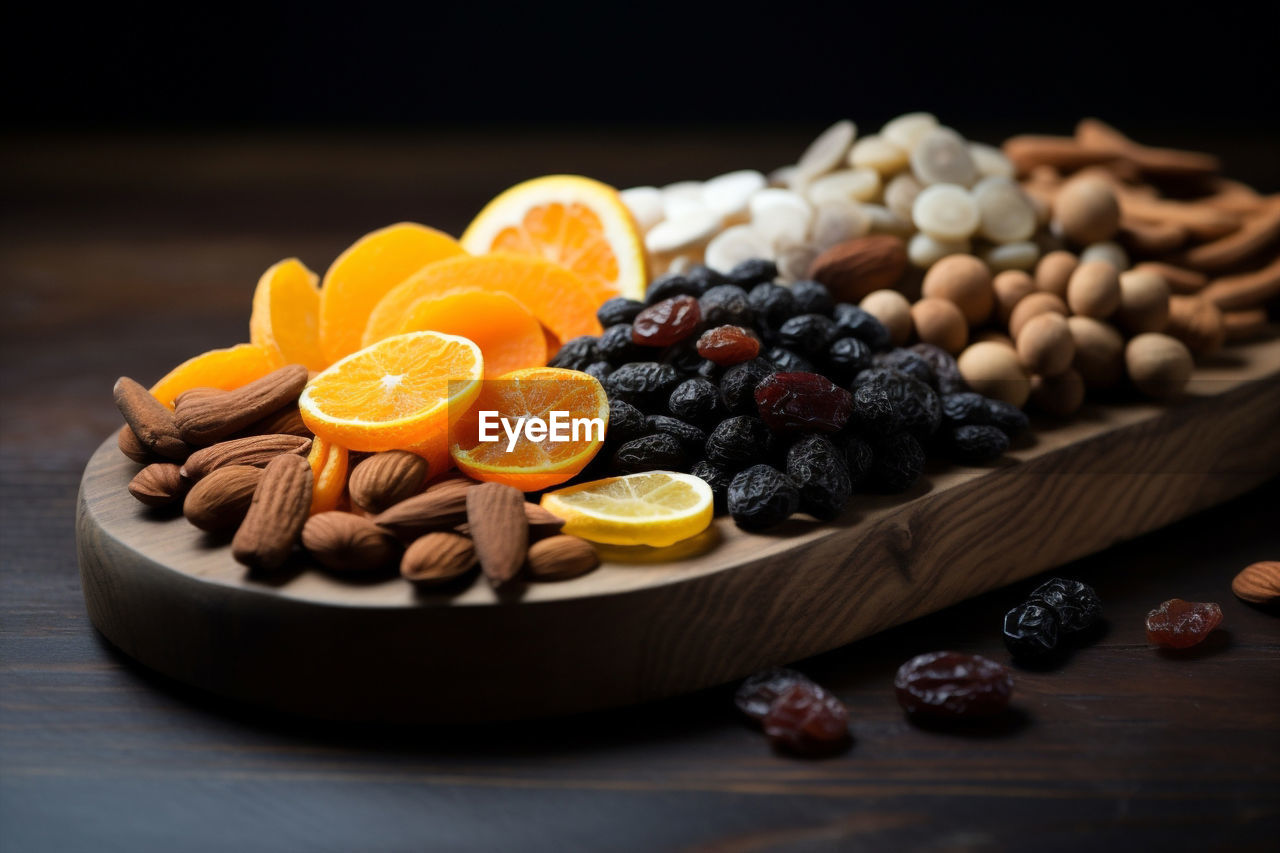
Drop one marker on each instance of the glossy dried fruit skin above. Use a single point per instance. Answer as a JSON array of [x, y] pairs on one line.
[[791, 362], [726, 305], [667, 322], [1076, 604], [690, 437], [812, 297], [1178, 624], [846, 358], [974, 445], [803, 402], [643, 383], [808, 334], [616, 346], [853, 321], [1030, 631], [728, 345], [717, 477], [683, 356], [817, 467], [807, 720], [909, 362], [889, 402], [758, 692], [772, 303], [704, 277], [577, 353], [1007, 417], [667, 286], [966, 408], [598, 370], [897, 463], [953, 686], [752, 271], [738, 385], [738, 441], [658, 452], [617, 310], [761, 497], [625, 422], [946, 372], [697, 401]]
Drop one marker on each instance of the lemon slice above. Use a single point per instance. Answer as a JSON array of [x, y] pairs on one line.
[[656, 508]]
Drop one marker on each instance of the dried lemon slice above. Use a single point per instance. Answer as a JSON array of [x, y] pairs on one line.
[[656, 508]]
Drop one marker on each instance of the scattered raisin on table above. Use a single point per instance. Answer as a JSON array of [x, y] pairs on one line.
[[697, 401], [738, 385], [762, 496], [738, 441], [812, 297], [973, 445], [803, 402], [761, 690], [1179, 624], [690, 437], [772, 303], [808, 334], [818, 469], [617, 310], [728, 345], [853, 321], [752, 271], [616, 346], [1031, 631], [577, 353], [807, 720], [717, 477], [643, 383], [667, 322], [786, 360], [1074, 603], [953, 686], [657, 452], [726, 305], [897, 462], [625, 422], [669, 285]]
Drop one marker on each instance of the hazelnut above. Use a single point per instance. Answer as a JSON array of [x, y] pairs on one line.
[[1054, 271], [1159, 365], [1099, 351], [939, 322], [1009, 288], [893, 310], [964, 280], [1059, 395], [1094, 290], [1031, 305], [993, 370], [1144, 301], [1045, 344], [1085, 211]]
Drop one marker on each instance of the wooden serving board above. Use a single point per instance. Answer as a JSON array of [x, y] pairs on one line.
[[649, 623]]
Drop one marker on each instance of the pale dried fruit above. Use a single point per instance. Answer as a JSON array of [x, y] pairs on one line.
[[732, 246], [645, 204], [153, 425], [728, 195], [845, 185], [218, 503], [1006, 214], [437, 558], [876, 152], [941, 156], [835, 222], [946, 211], [1259, 583], [159, 484], [499, 530], [924, 251], [561, 557], [385, 479], [345, 542], [256, 450], [1012, 256], [826, 152], [280, 507], [908, 129]]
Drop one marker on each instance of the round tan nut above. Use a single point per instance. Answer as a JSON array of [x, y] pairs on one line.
[[939, 322], [994, 336], [1159, 365], [994, 370], [1054, 271], [1144, 301], [893, 310], [964, 280], [1094, 290], [1060, 395], [1109, 251], [1009, 288], [1099, 351], [1085, 211], [1031, 305], [1045, 344]]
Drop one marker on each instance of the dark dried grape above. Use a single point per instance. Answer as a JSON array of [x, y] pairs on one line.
[[600, 370], [887, 402], [738, 441], [616, 346], [945, 370], [762, 496], [645, 384], [696, 401], [667, 322], [809, 334], [807, 720], [625, 422], [1007, 417], [846, 357], [897, 462], [1176, 624], [717, 477], [577, 353], [858, 457], [1030, 631], [852, 321], [812, 298], [690, 437], [973, 445], [704, 277], [818, 469], [683, 357], [786, 360], [906, 361], [658, 452], [772, 303], [669, 285], [952, 686], [1075, 603], [617, 310], [709, 371], [803, 402], [727, 345], [738, 385], [726, 305], [752, 271], [965, 409], [758, 692]]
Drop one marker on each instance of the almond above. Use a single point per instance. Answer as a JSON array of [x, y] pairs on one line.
[[437, 558], [561, 557], [541, 522], [854, 268], [287, 421], [218, 503], [256, 450], [498, 529], [159, 484], [1256, 233], [129, 445], [206, 418], [348, 543], [280, 507], [385, 479], [1259, 583], [152, 424], [442, 505]]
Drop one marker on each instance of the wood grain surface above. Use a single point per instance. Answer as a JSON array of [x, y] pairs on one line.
[[126, 255]]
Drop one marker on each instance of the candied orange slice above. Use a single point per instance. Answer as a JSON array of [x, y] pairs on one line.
[[227, 369], [508, 335], [364, 273], [328, 463], [286, 314], [575, 222], [557, 297], [535, 459]]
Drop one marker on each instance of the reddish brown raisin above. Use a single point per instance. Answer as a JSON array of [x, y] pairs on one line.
[[952, 686], [726, 345], [803, 402], [667, 322], [1179, 624], [808, 720], [757, 694]]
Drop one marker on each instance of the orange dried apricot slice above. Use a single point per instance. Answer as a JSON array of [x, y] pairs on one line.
[[227, 369], [286, 314], [328, 463], [508, 335]]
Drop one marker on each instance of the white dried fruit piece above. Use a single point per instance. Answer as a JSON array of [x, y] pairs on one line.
[[682, 189], [876, 152], [681, 206], [1107, 251], [794, 261], [945, 212], [885, 221], [782, 177], [845, 185], [728, 195], [780, 218], [924, 251], [645, 204], [990, 161], [731, 246], [826, 152], [907, 129], [1004, 211], [1012, 256], [900, 194], [680, 263], [837, 221], [941, 156], [686, 232]]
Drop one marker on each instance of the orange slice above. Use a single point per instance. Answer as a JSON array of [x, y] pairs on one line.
[[286, 314], [398, 394], [532, 463], [576, 222], [364, 273], [557, 297], [227, 369], [328, 463], [508, 335]]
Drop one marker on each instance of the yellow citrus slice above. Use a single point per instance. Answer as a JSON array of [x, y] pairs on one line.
[[286, 314], [364, 273], [328, 463], [572, 406], [576, 222], [227, 369], [656, 508]]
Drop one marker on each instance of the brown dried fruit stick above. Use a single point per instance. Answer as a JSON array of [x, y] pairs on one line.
[[498, 529], [159, 484], [1180, 279], [206, 418], [344, 542], [1246, 289], [561, 557], [1063, 153], [437, 558], [1096, 135], [1196, 322], [280, 507], [1151, 238], [152, 424], [385, 479], [1257, 233], [255, 450], [1233, 196], [1245, 325], [218, 503], [441, 506]]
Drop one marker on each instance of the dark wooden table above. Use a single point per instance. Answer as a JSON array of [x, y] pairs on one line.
[[125, 255]]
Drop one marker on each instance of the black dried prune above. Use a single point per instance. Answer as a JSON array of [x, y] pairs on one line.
[[657, 452], [757, 693], [616, 346], [1030, 631], [690, 437], [807, 720], [625, 422], [818, 469], [726, 305], [948, 686], [669, 285], [717, 477], [809, 334], [965, 408], [812, 298], [788, 361], [773, 304], [704, 277], [644, 384], [890, 402], [683, 357], [855, 322], [945, 370], [1007, 417], [697, 401], [973, 445], [858, 457], [577, 353], [803, 402], [600, 370], [738, 385], [1074, 603], [905, 361], [752, 271], [897, 462], [738, 441], [762, 496], [617, 310], [846, 357]]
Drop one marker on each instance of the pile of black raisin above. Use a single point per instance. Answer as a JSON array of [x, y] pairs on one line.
[[800, 403], [1037, 628]]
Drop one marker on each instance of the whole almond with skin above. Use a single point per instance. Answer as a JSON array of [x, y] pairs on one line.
[[129, 445], [854, 268], [385, 479], [206, 418], [152, 424], [561, 557], [348, 543], [287, 421], [218, 503], [541, 522], [159, 484], [437, 558], [280, 507], [441, 506], [498, 529], [256, 450], [1259, 583]]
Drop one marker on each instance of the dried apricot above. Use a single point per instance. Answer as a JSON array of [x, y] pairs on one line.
[[328, 463], [227, 369], [286, 314], [508, 335]]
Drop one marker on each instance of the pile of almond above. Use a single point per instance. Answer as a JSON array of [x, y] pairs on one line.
[[236, 462]]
